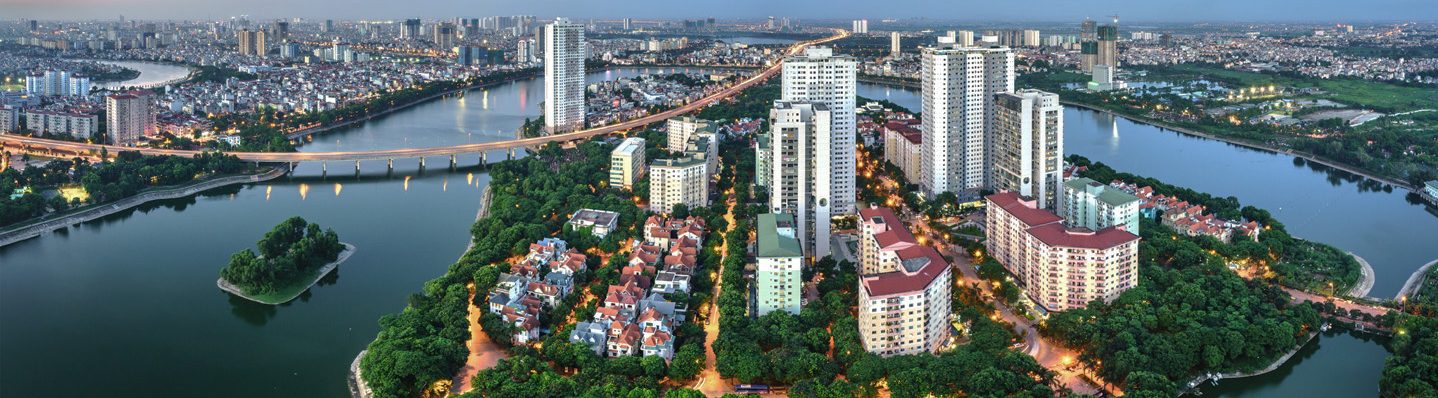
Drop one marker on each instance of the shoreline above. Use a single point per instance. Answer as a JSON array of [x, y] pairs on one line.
[[39, 227], [325, 270], [1277, 363], [323, 129], [1415, 280], [1251, 145], [1361, 289], [357, 385]]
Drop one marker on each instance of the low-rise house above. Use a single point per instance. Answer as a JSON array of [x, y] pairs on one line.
[[599, 222]]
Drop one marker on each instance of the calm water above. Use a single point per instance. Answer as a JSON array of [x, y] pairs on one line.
[[1316, 203], [127, 306], [151, 74]]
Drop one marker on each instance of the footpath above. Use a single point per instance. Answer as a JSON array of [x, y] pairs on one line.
[[54, 222]]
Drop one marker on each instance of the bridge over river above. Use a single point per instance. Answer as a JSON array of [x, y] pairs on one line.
[[66, 148]]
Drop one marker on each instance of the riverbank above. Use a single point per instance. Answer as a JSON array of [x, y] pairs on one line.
[[357, 384], [51, 223], [1414, 281], [1243, 143], [291, 292], [115, 85], [1360, 289], [321, 129], [1236, 375]]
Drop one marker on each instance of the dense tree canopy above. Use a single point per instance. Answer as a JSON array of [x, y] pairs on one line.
[[108, 181], [1412, 371], [289, 253], [1188, 315]]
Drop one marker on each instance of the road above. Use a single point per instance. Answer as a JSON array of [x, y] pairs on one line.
[[710, 382], [56, 147]]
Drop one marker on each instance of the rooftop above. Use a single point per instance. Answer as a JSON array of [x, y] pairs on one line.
[[1113, 197], [771, 242], [1023, 209], [1084, 238], [921, 264]]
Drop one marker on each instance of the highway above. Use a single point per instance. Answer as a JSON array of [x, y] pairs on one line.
[[55, 147]]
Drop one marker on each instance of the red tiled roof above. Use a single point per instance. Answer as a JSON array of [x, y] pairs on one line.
[[1013, 204], [1057, 235], [896, 282]]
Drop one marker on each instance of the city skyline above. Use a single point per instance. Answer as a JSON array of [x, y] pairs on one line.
[[1041, 10]]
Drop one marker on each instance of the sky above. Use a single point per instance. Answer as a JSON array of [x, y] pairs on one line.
[[962, 10]]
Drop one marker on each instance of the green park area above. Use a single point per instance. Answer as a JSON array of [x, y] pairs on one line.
[[293, 256]]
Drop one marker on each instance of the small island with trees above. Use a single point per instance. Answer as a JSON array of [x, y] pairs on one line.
[[293, 256]]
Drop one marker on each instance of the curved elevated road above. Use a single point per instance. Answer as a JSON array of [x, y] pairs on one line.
[[54, 146]]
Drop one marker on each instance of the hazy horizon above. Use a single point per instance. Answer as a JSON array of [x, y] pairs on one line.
[[1031, 11]]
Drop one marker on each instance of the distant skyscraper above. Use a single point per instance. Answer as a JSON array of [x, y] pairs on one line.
[[329, 26], [525, 52], [1028, 145], [965, 38], [410, 29], [471, 55], [34, 25], [564, 109], [1107, 46], [861, 26], [253, 42], [1088, 45], [279, 30], [627, 23], [444, 35], [1031, 38], [57, 83], [959, 85], [895, 48]]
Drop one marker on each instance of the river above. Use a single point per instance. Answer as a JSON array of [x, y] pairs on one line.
[[152, 74], [1312, 201], [127, 306]]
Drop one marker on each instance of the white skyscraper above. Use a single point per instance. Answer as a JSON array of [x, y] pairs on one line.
[[861, 26], [895, 48], [820, 77], [1028, 148], [959, 85], [563, 76], [802, 139]]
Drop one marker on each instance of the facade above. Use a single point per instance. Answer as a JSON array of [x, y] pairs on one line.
[[895, 48], [57, 83], [904, 301], [802, 142], [959, 85], [563, 76], [881, 237], [444, 34], [777, 285], [763, 161], [76, 125], [678, 181], [819, 76], [253, 42], [1028, 148], [861, 26], [1090, 204], [902, 148], [683, 129], [626, 163], [1060, 268], [9, 119], [129, 116]]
